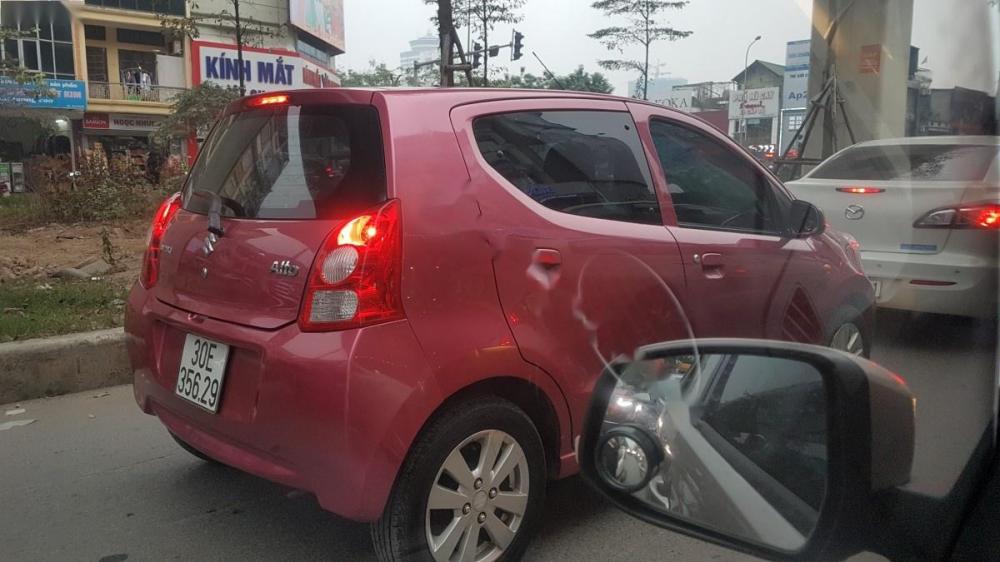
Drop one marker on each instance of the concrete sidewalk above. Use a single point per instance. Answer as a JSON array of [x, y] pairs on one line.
[[62, 364]]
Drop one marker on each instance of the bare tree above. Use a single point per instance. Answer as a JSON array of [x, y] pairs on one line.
[[642, 28], [484, 16]]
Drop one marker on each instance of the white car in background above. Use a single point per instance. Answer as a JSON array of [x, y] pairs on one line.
[[926, 212]]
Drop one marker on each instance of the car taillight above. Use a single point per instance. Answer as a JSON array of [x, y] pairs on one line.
[[983, 216], [857, 190], [355, 277], [268, 100], [161, 220]]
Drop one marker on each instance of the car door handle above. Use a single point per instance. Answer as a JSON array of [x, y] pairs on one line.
[[709, 260], [547, 257]]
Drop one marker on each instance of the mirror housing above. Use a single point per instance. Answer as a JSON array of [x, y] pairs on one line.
[[869, 441], [805, 219]]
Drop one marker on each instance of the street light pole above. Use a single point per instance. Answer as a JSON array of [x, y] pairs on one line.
[[746, 67]]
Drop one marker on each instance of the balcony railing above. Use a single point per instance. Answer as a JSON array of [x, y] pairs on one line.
[[131, 92]]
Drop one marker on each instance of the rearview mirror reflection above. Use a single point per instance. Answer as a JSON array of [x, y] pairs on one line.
[[736, 443]]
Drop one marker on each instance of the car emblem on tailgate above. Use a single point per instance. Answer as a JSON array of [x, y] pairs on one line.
[[284, 267], [854, 212]]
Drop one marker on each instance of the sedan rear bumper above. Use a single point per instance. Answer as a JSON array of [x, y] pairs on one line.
[[945, 283]]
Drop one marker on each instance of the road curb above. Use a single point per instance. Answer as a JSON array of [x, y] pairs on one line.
[[62, 364]]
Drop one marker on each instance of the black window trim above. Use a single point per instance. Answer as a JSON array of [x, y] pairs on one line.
[[779, 203]]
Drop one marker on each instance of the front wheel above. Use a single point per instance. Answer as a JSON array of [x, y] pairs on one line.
[[471, 489]]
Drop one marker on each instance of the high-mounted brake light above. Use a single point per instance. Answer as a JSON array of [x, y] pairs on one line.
[[161, 220], [860, 190], [261, 101], [980, 216], [355, 277]]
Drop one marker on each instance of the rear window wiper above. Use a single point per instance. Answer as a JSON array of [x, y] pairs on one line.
[[214, 210]]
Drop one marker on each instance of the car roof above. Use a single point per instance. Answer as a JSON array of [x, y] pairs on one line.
[[957, 140]]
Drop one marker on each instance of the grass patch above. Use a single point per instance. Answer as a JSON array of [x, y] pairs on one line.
[[29, 311], [20, 211]]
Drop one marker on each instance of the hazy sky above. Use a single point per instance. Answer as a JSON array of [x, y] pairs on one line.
[[958, 37]]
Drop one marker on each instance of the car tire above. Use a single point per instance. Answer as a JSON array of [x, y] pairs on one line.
[[474, 508], [193, 451], [848, 331]]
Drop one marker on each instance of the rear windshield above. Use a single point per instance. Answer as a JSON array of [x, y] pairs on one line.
[[917, 162], [291, 162]]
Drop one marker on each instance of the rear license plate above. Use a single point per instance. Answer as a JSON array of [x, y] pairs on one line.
[[203, 367]]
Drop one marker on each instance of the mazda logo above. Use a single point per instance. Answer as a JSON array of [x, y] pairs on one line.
[[854, 212]]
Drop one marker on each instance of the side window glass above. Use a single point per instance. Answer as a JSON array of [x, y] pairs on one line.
[[710, 188], [587, 163]]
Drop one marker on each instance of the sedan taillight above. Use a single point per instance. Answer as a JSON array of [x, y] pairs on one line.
[[161, 220], [355, 277], [982, 216]]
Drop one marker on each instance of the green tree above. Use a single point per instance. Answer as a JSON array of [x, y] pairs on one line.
[[11, 68], [377, 75], [193, 109], [483, 16], [579, 81], [642, 27]]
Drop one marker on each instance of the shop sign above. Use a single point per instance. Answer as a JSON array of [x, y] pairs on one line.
[[96, 121], [120, 122], [264, 70], [796, 83], [871, 59], [322, 18], [681, 101], [61, 94], [758, 103]]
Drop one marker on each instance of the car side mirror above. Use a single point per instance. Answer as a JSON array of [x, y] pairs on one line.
[[805, 219], [772, 448]]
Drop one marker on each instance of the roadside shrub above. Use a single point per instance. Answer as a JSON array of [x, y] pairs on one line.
[[105, 189]]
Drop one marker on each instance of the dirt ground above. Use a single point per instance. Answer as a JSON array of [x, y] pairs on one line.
[[40, 252]]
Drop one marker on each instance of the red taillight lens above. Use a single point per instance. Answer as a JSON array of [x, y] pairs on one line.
[[161, 220], [268, 100], [982, 216], [860, 190], [355, 277]]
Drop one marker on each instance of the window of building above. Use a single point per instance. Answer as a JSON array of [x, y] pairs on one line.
[[587, 163], [709, 188], [95, 32], [172, 7], [97, 64], [45, 41], [138, 37]]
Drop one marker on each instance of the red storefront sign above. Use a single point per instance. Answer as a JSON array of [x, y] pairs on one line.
[[96, 121]]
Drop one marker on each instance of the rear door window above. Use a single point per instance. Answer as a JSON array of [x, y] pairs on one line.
[[291, 162], [914, 162], [587, 163]]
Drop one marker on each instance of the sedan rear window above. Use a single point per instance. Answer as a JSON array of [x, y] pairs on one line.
[[915, 162], [291, 162]]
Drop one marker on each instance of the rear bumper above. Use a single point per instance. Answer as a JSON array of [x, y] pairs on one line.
[[296, 408], [966, 285]]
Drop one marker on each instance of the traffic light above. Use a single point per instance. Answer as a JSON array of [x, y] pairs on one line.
[[476, 54], [518, 45], [494, 51]]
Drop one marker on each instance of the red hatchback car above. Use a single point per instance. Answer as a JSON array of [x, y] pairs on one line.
[[400, 300]]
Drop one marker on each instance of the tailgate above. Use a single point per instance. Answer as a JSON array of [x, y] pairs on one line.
[[282, 175]]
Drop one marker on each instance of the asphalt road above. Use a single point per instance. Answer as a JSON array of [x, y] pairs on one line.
[[92, 478]]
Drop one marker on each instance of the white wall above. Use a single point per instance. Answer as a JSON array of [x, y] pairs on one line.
[[274, 12]]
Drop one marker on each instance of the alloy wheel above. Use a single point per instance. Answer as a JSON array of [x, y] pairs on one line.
[[848, 338], [478, 499]]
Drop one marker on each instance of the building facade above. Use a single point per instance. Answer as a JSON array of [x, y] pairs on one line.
[[424, 49], [113, 71], [754, 109]]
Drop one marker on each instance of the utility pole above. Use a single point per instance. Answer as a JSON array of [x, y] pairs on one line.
[[486, 43], [239, 45]]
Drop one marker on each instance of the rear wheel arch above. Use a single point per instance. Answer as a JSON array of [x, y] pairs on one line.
[[524, 394]]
